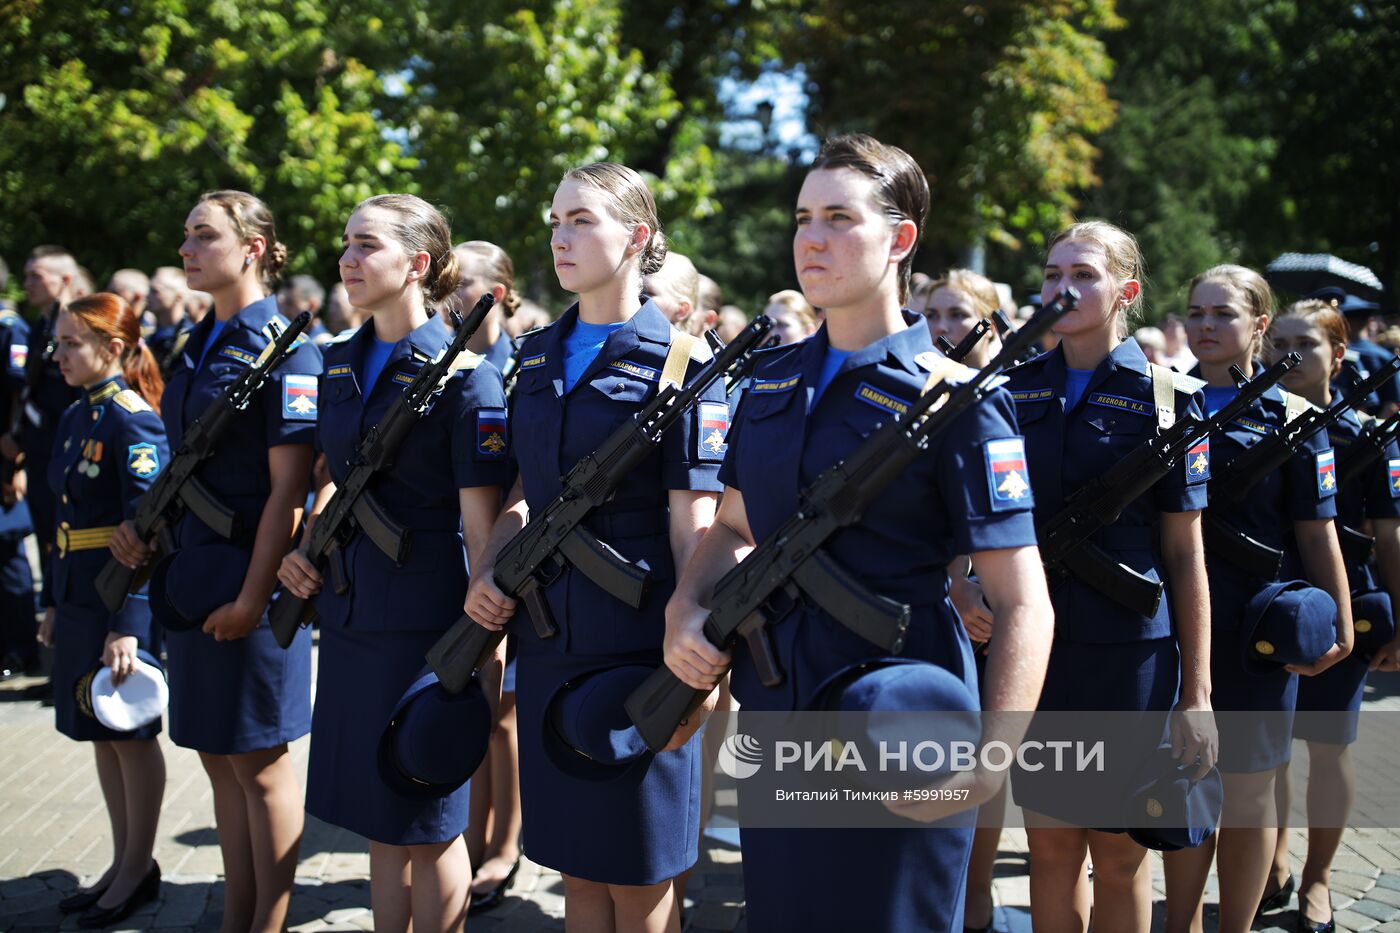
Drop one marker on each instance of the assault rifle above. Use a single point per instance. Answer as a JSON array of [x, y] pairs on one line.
[[1065, 545], [353, 508], [959, 353], [556, 537], [1364, 451], [1233, 482], [790, 564], [177, 489]]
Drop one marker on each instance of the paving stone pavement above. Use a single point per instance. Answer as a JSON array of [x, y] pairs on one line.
[[53, 837]]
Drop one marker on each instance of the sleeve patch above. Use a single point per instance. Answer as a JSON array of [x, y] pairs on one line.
[[19, 355], [1006, 474], [299, 396], [1198, 461], [491, 432], [1394, 479], [238, 354], [714, 430], [143, 460], [1326, 473]]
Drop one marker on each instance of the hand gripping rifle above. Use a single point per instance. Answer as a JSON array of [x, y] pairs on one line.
[[790, 563], [1233, 482], [1065, 545], [353, 508], [556, 537], [177, 489]]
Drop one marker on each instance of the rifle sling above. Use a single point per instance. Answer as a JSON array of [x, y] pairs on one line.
[[1163, 395], [677, 358]]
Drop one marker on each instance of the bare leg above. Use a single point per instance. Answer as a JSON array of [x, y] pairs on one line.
[[1283, 802], [231, 819], [1122, 884], [479, 808], [273, 800], [1186, 872], [588, 906], [109, 777], [504, 783], [1331, 793], [389, 891], [1057, 868], [1245, 851], [977, 903], [441, 880], [649, 908], [143, 780], [710, 742]]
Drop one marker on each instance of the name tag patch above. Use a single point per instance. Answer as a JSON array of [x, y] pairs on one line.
[[143, 460], [530, 362], [299, 397], [1198, 461], [404, 379], [1249, 424], [1007, 481], [340, 371], [1395, 479], [1033, 395], [634, 369], [1326, 473], [246, 357], [1120, 403], [775, 385], [870, 395], [491, 432], [714, 429]]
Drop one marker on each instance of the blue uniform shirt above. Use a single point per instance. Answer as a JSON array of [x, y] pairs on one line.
[[460, 443], [943, 505], [110, 447], [1069, 445], [14, 344], [581, 345], [284, 412], [554, 428], [375, 356]]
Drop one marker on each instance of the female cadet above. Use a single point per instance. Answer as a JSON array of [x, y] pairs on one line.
[[398, 258], [1227, 315], [952, 305], [794, 318], [1082, 407], [580, 378], [235, 696], [493, 835], [858, 217], [484, 267], [109, 448], [1329, 702]]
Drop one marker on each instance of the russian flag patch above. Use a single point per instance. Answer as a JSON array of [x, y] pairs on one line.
[[299, 397], [1395, 479], [19, 355], [714, 430], [1326, 473], [1007, 481], [1198, 461], [491, 432]]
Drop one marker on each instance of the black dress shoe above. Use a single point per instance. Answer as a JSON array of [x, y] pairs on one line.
[[1313, 926], [82, 900], [147, 891], [492, 898], [1278, 900]]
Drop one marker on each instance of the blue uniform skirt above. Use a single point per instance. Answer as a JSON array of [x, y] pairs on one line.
[[1135, 676], [230, 697], [641, 826], [360, 679], [1256, 734], [80, 633]]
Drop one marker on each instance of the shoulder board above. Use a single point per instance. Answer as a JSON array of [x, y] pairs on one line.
[[465, 362], [130, 400], [342, 336], [1188, 384]]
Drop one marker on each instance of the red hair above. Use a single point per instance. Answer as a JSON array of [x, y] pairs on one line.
[[109, 316]]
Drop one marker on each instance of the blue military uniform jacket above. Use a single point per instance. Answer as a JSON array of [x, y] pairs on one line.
[[1067, 449], [284, 412], [1373, 494], [945, 504], [461, 443], [499, 353], [562, 428], [14, 344], [47, 394], [1363, 358], [110, 446]]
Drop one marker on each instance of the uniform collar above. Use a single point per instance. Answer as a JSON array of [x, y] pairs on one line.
[[104, 390], [423, 343], [648, 326], [253, 317], [901, 347]]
